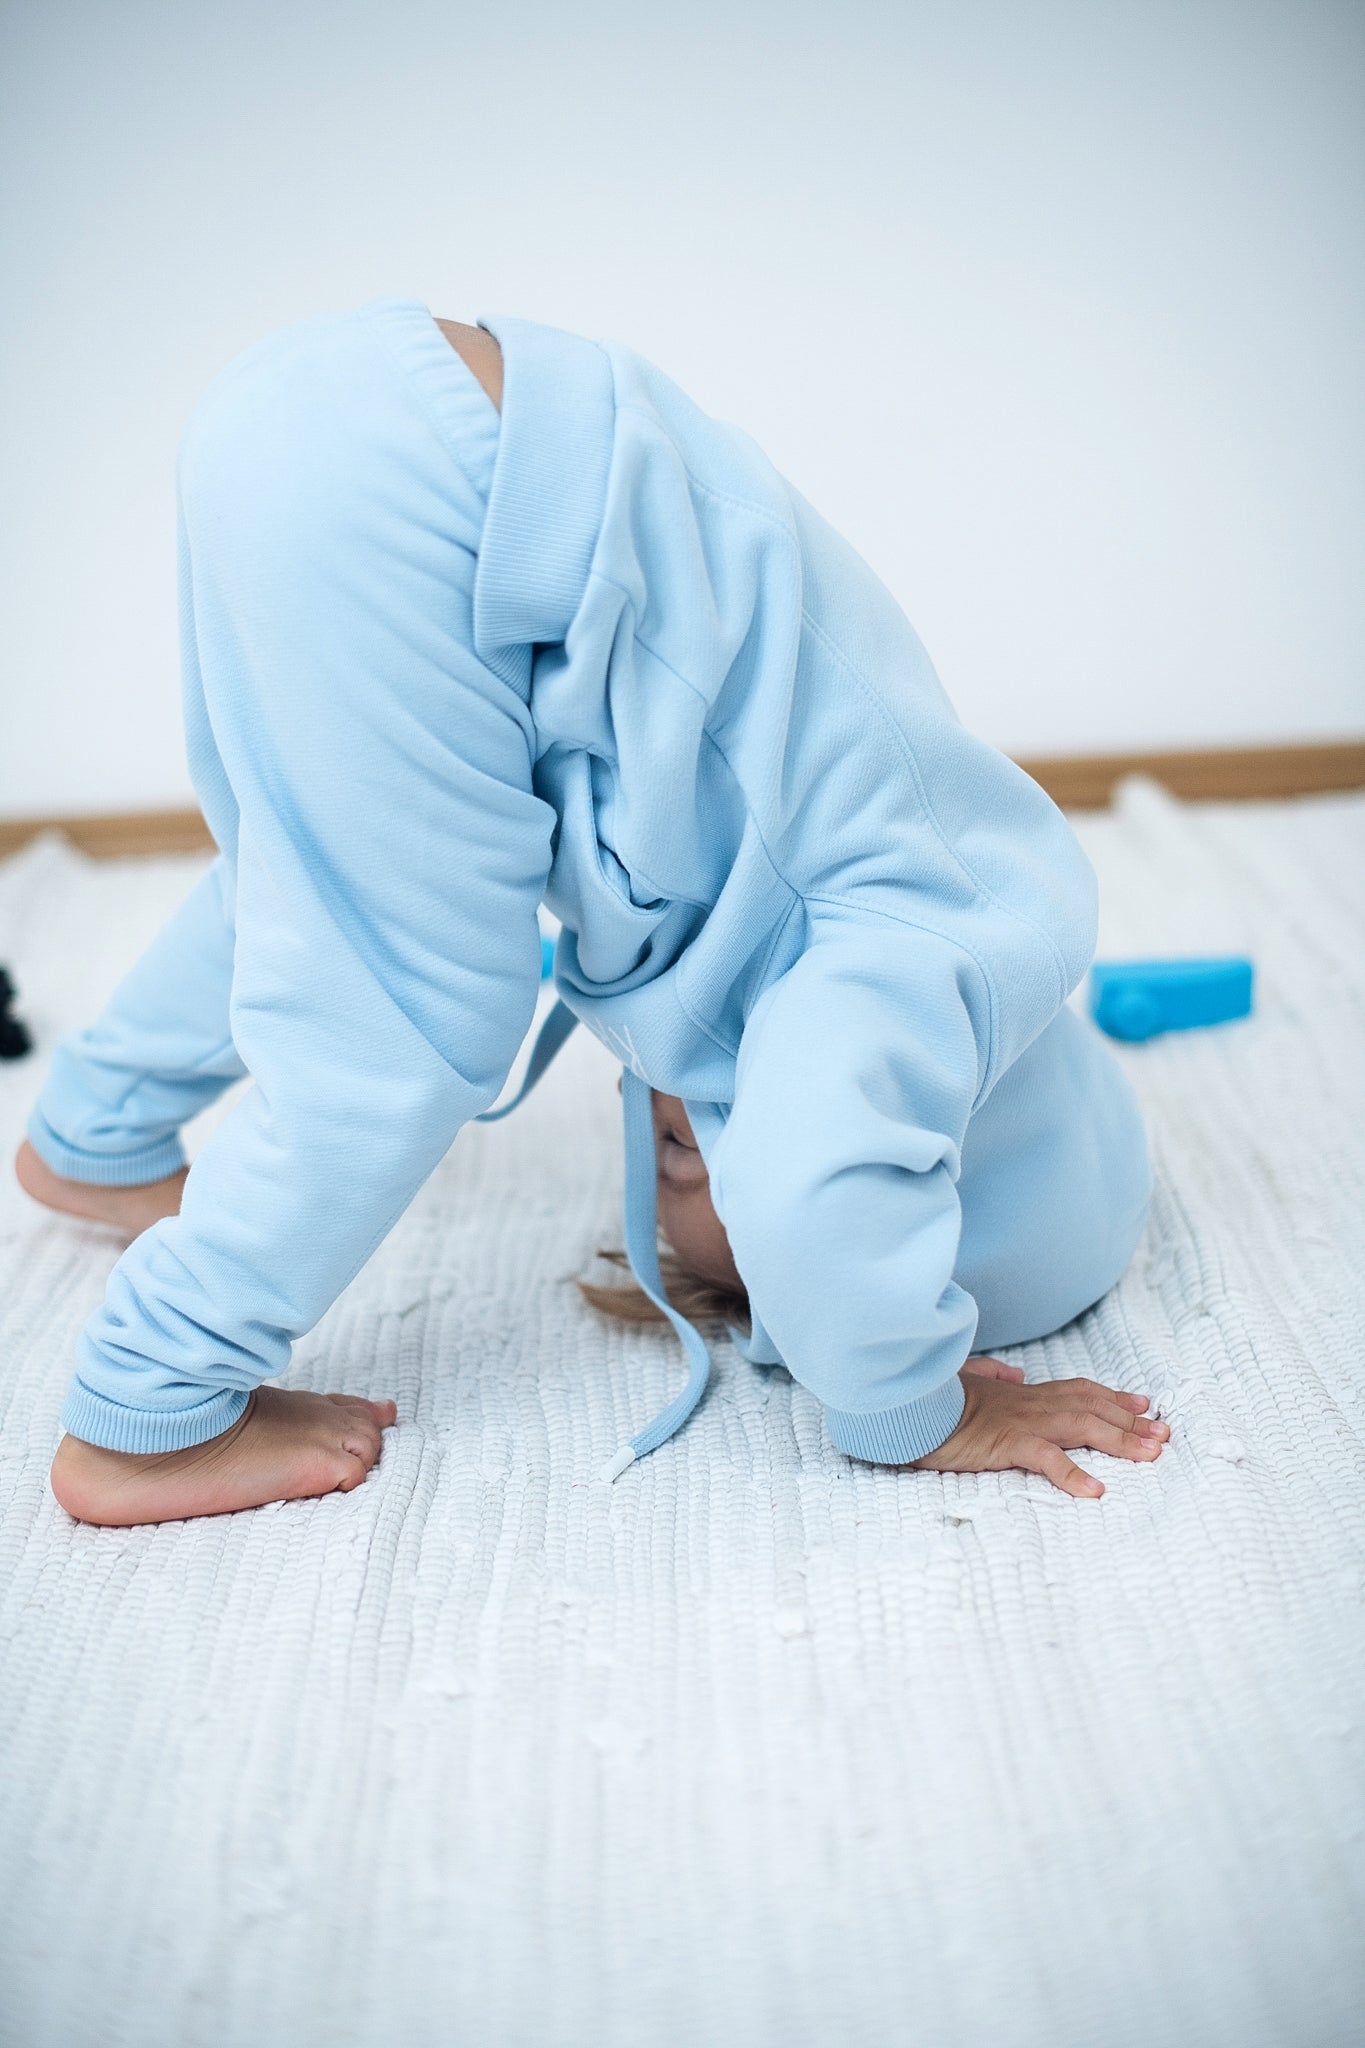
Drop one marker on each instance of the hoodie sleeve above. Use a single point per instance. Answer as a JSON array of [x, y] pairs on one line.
[[836, 1176]]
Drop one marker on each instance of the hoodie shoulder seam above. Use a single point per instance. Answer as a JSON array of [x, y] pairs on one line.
[[964, 866], [763, 512]]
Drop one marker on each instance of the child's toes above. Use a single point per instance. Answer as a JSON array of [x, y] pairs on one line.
[[385, 1413], [363, 1437], [354, 1472]]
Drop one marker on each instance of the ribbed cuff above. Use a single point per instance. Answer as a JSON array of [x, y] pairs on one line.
[[115, 1428], [105, 1169], [894, 1436]]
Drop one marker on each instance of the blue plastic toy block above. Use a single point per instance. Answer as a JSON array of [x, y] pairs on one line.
[[1138, 998]]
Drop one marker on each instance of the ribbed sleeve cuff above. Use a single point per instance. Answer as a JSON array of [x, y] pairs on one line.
[[894, 1436], [105, 1169], [115, 1428]]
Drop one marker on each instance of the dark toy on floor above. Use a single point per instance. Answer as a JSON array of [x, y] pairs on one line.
[[15, 1036]]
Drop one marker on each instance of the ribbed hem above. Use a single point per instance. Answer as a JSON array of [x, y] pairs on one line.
[[893, 1436], [460, 410], [105, 1169], [116, 1428]]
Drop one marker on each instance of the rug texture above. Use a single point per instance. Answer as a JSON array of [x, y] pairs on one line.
[[758, 1746]]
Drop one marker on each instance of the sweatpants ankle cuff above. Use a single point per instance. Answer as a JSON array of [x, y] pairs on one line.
[[105, 1169], [96, 1420]]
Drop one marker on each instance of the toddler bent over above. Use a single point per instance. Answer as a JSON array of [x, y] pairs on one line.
[[479, 618]]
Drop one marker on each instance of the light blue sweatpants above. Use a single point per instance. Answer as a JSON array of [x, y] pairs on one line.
[[366, 946]]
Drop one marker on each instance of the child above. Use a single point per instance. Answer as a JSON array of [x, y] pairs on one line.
[[474, 618]]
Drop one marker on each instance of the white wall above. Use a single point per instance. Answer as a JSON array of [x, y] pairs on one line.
[[1057, 309]]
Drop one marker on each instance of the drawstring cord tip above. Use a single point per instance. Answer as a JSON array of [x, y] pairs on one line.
[[617, 1465]]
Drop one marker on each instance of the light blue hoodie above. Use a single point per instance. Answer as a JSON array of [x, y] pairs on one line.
[[669, 698]]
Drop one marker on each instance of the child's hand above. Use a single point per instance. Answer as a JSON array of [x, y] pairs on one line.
[[1007, 1425]]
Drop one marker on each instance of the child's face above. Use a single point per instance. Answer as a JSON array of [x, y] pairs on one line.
[[686, 1215]]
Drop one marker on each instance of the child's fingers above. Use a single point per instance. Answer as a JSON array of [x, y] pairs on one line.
[[1119, 1443], [1129, 1422], [993, 1369], [1036, 1454], [1087, 1390], [1080, 1402]]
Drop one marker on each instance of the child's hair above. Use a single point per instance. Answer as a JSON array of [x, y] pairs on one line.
[[699, 1300]]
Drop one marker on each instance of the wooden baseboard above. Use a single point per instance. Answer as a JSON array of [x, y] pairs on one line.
[[114, 835], [1086, 781], [1077, 782]]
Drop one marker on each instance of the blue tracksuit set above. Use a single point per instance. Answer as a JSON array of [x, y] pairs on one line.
[[441, 665]]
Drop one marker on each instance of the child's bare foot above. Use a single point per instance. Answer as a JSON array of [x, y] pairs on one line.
[[285, 1446], [129, 1210]]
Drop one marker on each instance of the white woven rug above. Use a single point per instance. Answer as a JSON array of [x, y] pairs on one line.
[[759, 1746]]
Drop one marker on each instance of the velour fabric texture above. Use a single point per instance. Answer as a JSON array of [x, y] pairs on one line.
[[760, 1746]]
